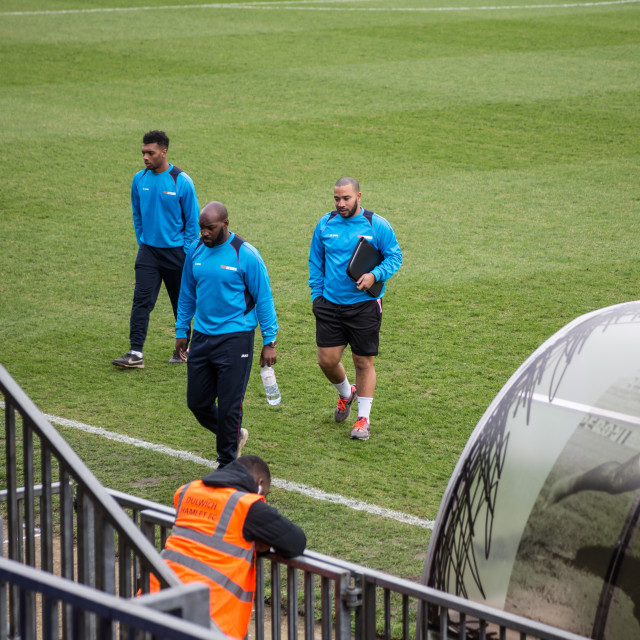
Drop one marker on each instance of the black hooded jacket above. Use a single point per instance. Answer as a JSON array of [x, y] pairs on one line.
[[263, 522]]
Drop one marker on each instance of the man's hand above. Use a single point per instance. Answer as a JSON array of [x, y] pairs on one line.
[[366, 281], [262, 547], [268, 356], [181, 348]]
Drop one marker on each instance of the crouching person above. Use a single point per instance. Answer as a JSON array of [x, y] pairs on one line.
[[222, 521]]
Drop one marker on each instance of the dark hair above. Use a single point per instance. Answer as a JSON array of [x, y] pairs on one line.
[[159, 137], [343, 182], [256, 465]]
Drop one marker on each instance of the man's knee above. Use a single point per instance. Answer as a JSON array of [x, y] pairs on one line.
[[363, 363], [329, 357], [198, 403]]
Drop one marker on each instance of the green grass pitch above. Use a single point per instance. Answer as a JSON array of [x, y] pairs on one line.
[[501, 143]]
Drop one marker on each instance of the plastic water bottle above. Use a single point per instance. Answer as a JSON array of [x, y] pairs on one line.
[[268, 376]]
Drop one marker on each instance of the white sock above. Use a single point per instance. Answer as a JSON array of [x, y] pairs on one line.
[[136, 353], [344, 388], [364, 407]]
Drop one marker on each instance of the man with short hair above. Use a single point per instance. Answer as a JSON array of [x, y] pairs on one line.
[[345, 312], [222, 521], [226, 291], [165, 220]]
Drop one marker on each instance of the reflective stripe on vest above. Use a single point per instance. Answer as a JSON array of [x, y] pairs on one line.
[[208, 572], [206, 545]]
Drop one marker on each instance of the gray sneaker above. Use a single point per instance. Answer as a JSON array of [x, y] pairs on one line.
[[242, 440], [360, 429], [343, 410], [129, 361], [175, 359]]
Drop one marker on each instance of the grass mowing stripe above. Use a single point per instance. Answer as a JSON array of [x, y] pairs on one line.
[[297, 6], [310, 492]]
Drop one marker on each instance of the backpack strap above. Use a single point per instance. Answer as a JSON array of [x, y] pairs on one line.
[[236, 243], [174, 173]]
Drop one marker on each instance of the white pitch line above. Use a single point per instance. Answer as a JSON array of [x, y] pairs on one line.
[[304, 5], [310, 492]]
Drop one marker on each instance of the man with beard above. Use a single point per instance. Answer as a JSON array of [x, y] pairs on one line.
[[226, 291], [165, 220], [345, 312]]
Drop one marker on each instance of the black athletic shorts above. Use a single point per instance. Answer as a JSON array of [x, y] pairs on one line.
[[357, 325]]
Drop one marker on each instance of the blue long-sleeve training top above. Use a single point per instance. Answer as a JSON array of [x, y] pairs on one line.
[[332, 244], [226, 289], [165, 208]]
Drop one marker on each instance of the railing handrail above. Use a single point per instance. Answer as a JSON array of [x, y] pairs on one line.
[[105, 605], [21, 402], [328, 566], [433, 596]]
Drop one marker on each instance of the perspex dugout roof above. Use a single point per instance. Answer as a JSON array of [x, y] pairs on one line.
[[541, 514]]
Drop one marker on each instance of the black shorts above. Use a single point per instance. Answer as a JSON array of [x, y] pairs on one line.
[[357, 325]]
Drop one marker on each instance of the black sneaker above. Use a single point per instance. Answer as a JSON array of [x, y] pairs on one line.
[[129, 361], [176, 359]]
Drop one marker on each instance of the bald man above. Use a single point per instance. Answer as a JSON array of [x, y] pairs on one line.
[[225, 289]]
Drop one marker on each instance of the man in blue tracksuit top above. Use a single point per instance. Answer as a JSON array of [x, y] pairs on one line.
[[226, 290], [345, 312], [165, 220]]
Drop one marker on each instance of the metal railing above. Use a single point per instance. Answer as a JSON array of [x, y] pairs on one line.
[[357, 602], [109, 542], [108, 614], [65, 523]]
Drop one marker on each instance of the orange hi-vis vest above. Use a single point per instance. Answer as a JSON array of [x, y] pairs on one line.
[[206, 545]]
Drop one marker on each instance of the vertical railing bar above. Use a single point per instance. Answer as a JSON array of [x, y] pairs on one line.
[[276, 601], [29, 512], [87, 561], [463, 626], [66, 543], [106, 555], [425, 620], [29, 599], [20, 540], [124, 575], [3, 589], [405, 617], [140, 576], [309, 606], [387, 614], [259, 600], [125, 589], [49, 607], [106, 630], [326, 608], [369, 609], [149, 529], [444, 617], [46, 516], [342, 613], [14, 525], [49, 618], [292, 603]]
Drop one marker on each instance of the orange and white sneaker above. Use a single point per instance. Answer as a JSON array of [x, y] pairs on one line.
[[360, 429], [343, 410]]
